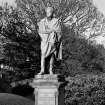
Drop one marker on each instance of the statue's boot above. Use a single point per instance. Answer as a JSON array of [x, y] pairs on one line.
[[40, 73], [51, 73], [50, 70]]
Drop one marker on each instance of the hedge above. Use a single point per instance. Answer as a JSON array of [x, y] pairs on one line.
[[85, 90]]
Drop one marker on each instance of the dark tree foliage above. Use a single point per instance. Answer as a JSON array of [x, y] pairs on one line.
[[88, 89], [22, 52], [22, 42], [81, 56]]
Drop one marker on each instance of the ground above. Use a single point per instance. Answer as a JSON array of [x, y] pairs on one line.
[[10, 99]]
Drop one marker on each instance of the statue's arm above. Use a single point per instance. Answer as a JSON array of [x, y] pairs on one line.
[[57, 29], [43, 30], [48, 31]]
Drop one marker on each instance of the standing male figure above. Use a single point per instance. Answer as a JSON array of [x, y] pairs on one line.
[[50, 33]]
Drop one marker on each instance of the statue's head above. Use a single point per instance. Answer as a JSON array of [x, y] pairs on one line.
[[49, 11]]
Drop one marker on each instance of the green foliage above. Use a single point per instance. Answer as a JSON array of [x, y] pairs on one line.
[[5, 87], [80, 56], [21, 47], [22, 42], [85, 90]]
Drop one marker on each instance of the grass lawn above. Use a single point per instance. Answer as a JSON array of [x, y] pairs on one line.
[[10, 99]]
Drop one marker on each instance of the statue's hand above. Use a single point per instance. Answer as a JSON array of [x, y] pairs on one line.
[[49, 31], [45, 31]]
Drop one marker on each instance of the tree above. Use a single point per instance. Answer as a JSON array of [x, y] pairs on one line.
[[81, 56], [22, 47]]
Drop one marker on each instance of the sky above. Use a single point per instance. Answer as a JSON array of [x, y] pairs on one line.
[[100, 4], [10, 2]]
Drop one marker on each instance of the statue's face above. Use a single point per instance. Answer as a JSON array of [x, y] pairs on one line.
[[49, 12]]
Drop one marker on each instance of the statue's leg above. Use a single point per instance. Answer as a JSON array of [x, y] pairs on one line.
[[51, 64], [42, 65]]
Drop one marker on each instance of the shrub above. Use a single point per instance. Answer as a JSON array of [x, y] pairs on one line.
[[85, 90]]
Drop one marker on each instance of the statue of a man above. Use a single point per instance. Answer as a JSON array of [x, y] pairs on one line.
[[50, 33]]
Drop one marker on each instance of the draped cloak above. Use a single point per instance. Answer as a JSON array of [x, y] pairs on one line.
[[50, 41]]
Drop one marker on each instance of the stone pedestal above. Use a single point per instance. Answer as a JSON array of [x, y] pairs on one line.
[[48, 90]]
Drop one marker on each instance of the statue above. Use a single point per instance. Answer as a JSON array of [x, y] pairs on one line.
[[50, 33]]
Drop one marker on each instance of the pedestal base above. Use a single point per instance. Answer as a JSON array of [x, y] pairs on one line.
[[46, 89]]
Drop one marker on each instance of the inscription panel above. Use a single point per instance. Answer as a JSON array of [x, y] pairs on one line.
[[46, 98]]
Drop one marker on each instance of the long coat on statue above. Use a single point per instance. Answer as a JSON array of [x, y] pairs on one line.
[[50, 33]]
